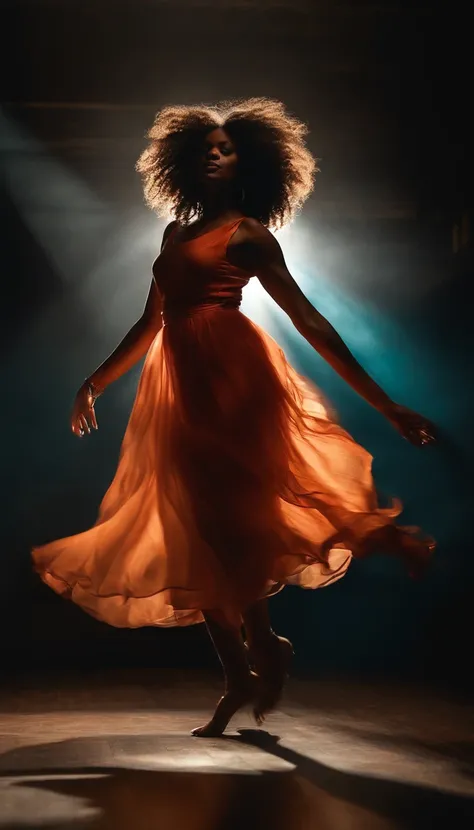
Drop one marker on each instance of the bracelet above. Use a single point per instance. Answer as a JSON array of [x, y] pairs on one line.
[[94, 390]]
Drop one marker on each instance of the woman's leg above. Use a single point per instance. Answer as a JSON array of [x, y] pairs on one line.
[[239, 681], [269, 654], [258, 628]]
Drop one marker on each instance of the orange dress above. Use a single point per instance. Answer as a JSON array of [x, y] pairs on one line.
[[234, 478]]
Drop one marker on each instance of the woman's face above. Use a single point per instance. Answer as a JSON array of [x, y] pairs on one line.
[[218, 160]]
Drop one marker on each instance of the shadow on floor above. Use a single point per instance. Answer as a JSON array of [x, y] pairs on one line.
[[409, 805], [96, 783], [460, 752]]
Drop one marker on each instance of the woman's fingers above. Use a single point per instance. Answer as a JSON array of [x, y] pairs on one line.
[[92, 418], [78, 428], [421, 433], [414, 427], [81, 422], [84, 424]]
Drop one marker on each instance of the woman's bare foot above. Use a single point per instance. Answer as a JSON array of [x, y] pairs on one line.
[[272, 664], [235, 697]]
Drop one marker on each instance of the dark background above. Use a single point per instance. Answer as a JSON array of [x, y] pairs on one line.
[[385, 88]]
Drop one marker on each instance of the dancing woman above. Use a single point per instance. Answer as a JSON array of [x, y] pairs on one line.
[[234, 477]]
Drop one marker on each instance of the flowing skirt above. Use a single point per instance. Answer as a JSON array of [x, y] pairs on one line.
[[234, 479]]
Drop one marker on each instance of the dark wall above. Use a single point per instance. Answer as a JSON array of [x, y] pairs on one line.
[[383, 90]]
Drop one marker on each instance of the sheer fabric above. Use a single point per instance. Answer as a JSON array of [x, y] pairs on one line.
[[234, 478]]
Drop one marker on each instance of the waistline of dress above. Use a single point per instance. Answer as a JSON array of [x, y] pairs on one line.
[[174, 312]]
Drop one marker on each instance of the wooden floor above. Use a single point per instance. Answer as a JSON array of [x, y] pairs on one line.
[[114, 751]]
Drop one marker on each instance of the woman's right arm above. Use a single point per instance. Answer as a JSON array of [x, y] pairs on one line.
[[137, 341], [129, 351], [134, 345]]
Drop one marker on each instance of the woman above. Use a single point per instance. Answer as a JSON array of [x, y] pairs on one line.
[[234, 479]]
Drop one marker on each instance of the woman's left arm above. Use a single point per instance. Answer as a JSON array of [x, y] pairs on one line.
[[257, 251]]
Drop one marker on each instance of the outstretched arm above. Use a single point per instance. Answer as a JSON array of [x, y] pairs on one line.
[[137, 341], [256, 250], [134, 345], [261, 254], [129, 351]]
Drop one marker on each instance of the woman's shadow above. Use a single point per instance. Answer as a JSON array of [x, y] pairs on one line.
[[145, 781]]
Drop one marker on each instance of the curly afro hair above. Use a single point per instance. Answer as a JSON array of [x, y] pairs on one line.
[[275, 168]]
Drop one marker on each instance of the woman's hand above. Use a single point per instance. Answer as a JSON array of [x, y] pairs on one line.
[[415, 428], [83, 414]]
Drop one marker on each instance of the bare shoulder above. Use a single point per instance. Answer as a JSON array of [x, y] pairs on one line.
[[252, 245], [166, 234], [167, 231], [252, 230]]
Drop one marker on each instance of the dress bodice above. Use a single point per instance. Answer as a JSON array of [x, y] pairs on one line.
[[196, 273]]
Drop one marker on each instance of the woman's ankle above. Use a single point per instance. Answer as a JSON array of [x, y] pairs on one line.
[[262, 642]]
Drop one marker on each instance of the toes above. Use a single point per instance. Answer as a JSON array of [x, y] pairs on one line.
[[205, 732]]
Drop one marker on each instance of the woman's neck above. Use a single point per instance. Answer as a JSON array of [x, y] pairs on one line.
[[220, 206]]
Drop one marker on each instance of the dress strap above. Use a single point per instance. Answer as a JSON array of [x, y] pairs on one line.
[[232, 228]]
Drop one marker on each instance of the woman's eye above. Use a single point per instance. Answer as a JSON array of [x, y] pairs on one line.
[[226, 151]]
